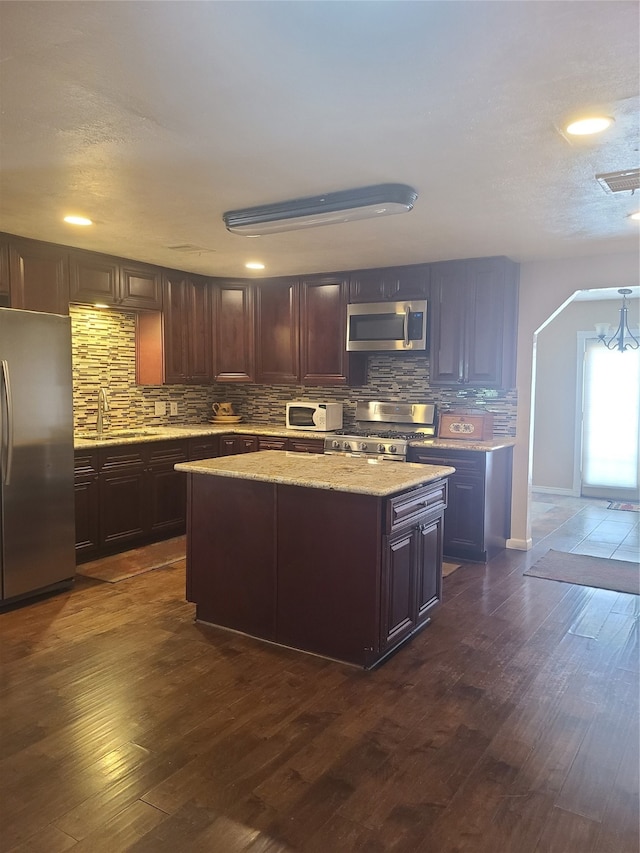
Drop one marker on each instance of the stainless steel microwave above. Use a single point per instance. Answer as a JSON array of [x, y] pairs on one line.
[[397, 326]]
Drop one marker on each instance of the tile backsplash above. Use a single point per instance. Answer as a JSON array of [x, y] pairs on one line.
[[104, 356]]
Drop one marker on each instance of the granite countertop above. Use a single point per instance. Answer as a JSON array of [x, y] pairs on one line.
[[338, 473], [135, 435]]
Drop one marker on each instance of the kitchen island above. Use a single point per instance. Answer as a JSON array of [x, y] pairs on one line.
[[336, 556]]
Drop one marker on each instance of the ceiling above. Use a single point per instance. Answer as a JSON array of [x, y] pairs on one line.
[[154, 118]]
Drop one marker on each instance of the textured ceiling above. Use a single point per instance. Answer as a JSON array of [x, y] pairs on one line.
[[153, 118]]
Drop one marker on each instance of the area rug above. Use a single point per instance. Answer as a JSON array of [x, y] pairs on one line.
[[119, 567], [449, 568], [627, 506], [617, 575]]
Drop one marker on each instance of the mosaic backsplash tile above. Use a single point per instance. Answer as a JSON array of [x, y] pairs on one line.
[[104, 356]]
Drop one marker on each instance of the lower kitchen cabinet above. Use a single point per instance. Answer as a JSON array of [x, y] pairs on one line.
[[478, 516], [87, 501], [127, 496], [412, 564], [232, 444]]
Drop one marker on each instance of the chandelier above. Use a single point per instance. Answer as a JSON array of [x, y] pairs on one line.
[[622, 339]]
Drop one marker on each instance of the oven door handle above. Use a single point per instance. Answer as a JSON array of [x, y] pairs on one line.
[[407, 312]]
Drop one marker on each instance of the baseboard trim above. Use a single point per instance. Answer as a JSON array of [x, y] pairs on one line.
[[520, 544], [553, 490]]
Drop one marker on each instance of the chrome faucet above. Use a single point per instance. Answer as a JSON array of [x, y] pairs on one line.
[[103, 408]]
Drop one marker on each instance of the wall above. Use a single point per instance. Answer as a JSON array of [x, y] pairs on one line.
[[104, 356], [545, 286], [556, 387], [103, 346]]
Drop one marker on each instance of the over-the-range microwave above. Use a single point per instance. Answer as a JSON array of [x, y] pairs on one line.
[[321, 417], [399, 326]]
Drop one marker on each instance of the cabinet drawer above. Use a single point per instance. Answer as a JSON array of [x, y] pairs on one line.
[[470, 463], [123, 455], [272, 443], [409, 506], [306, 445], [166, 452], [203, 448], [85, 461]]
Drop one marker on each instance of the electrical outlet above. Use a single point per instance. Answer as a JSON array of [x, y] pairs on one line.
[[173, 408], [161, 409]]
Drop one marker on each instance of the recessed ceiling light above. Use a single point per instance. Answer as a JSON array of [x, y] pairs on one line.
[[586, 126], [254, 265], [78, 220], [635, 216]]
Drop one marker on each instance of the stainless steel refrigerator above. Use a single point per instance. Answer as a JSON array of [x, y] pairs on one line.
[[37, 516]]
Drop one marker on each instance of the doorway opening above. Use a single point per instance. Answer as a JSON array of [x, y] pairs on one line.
[[609, 414]]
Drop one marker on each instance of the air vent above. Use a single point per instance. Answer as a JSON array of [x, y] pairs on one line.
[[189, 249], [620, 182]]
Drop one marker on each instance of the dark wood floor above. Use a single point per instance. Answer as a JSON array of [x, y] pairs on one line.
[[509, 724]]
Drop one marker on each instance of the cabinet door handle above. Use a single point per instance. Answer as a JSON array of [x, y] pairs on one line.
[[9, 422]]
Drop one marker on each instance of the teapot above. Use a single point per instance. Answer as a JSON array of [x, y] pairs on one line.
[[223, 410]]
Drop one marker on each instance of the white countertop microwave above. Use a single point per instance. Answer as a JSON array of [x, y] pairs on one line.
[[321, 417], [382, 326]]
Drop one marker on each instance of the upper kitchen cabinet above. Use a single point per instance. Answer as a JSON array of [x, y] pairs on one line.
[[38, 276], [473, 325], [233, 327], [277, 332], [174, 347], [301, 327], [187, 329], [410, 282], [323, 356], [112, 281]]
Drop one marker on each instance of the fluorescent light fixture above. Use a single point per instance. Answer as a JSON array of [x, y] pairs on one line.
[[328, 209]]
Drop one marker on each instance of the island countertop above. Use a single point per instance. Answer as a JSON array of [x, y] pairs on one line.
[[337, 473]]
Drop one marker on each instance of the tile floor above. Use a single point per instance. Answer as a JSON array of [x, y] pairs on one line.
[[585, 526]]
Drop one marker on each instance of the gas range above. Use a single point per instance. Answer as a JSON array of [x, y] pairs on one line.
[[383, 430]]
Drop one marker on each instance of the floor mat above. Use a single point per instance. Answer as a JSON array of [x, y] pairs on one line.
[[449, 568], [627, 506], [119, 567], [617, 575]]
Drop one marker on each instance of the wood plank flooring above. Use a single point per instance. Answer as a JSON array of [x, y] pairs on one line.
[[509, 724]]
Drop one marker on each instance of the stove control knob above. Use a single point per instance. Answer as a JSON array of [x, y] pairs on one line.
[[363, 445], [381, 448], [346, 445], [335, 444], [393, 449]]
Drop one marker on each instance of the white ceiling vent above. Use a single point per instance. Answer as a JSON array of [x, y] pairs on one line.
[[620, 182], [190, 249]]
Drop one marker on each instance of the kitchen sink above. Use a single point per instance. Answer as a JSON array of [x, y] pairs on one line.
[[93, 436]]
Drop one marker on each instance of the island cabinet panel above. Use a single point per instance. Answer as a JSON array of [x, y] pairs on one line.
[[231, 554], [339, 574], [39, 276], [234, 332], [329, 573]]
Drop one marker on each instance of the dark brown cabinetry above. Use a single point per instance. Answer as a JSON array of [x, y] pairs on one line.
[[306, 445], [277, 332], [412, 568], [206, 447], [478, 517], [232, 444], [87, 502], [38, 276], [473, 311], [334, 591], [374, 285], [4, 274], [174, 348], [233, 327], [128, 495], [106, 280], [187, 330], [301, 327]]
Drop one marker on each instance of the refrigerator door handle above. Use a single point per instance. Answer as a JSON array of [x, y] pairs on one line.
[[6, 384]]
